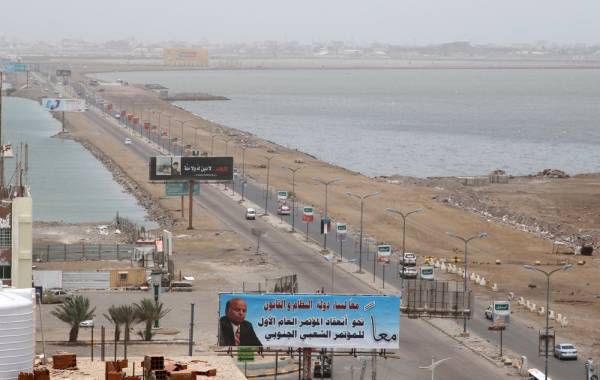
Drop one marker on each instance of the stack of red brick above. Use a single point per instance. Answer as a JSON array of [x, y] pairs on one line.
[[155, 366], [38, 374], [64, 361]]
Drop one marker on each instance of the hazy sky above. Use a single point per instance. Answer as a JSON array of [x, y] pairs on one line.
[[389, 21]]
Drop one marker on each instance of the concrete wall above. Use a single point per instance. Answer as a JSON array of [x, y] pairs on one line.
[[21, 242], [47, 278]]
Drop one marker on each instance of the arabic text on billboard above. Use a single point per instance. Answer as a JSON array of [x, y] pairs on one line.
[[200, 168], [309, 320], [65, 105]]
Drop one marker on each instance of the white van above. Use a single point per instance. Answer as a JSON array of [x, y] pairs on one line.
[[536, 374]]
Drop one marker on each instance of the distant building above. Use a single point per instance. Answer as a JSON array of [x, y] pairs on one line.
[[192, 57]]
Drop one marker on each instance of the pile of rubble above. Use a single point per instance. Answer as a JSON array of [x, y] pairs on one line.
[[552, 173]]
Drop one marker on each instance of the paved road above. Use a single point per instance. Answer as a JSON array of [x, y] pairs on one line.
[[313, 270], [418, 341]]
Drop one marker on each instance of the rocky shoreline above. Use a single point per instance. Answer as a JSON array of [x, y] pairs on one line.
[[153, 209]]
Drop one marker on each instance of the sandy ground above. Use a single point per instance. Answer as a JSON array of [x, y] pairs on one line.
[[572, 203]]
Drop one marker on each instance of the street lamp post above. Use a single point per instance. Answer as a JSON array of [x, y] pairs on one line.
[[433, 366], [326, 183], [267, 192], [212, 144], [182, 140], [293, 171], [169, 137], [159, 113], [466, 241], [404, 216], [565, 267], [362, 202]]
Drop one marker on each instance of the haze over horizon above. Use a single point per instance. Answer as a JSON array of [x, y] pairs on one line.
[[404, 22]]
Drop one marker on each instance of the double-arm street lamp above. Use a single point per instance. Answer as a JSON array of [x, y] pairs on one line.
[[326, 183], [212, 144], [226, 141], [267, 192], [182, 140], [362, 202], [466, 241], [404, 215], [293, 171], [565, 267]]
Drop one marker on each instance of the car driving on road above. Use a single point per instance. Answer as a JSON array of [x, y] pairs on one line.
[[250, 213], [565, 351]]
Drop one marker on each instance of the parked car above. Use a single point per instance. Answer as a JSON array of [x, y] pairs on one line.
[[56, 296], [87, 323], [409, 272], [565, 351], [489, 312], [250, 213], [284, 210]]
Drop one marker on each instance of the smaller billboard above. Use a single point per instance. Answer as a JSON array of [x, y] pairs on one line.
[[341, 230], [173, 189], [63, 73], [200, 168], [282, 195], [501, 312], [309, 320], [15, 67], [308, 214], [325, 226], [384, 251], [64, 105]]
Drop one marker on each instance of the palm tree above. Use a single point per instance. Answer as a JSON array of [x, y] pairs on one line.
[[74, 311], [148, 311], [114, 317], [128, 317]]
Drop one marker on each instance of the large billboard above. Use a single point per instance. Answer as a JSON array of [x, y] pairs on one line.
[[65, 105], [309, 320], [185, 57], [198, 168]]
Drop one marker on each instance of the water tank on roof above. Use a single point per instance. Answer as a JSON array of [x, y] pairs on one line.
[[16, 332]]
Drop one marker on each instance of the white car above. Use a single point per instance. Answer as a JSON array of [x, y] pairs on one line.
[[565, 351], [128, 141], [409, 272], [250, 214], [87, 323], [489, 312]]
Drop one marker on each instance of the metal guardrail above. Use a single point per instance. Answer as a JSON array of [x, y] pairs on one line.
[[79, 252]]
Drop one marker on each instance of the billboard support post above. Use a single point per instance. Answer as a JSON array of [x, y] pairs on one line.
[[307, 353], [190, 206], [63, 121], [182, 213], [383, 276]]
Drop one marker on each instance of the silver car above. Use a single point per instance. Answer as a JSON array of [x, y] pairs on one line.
[[565, 351]]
